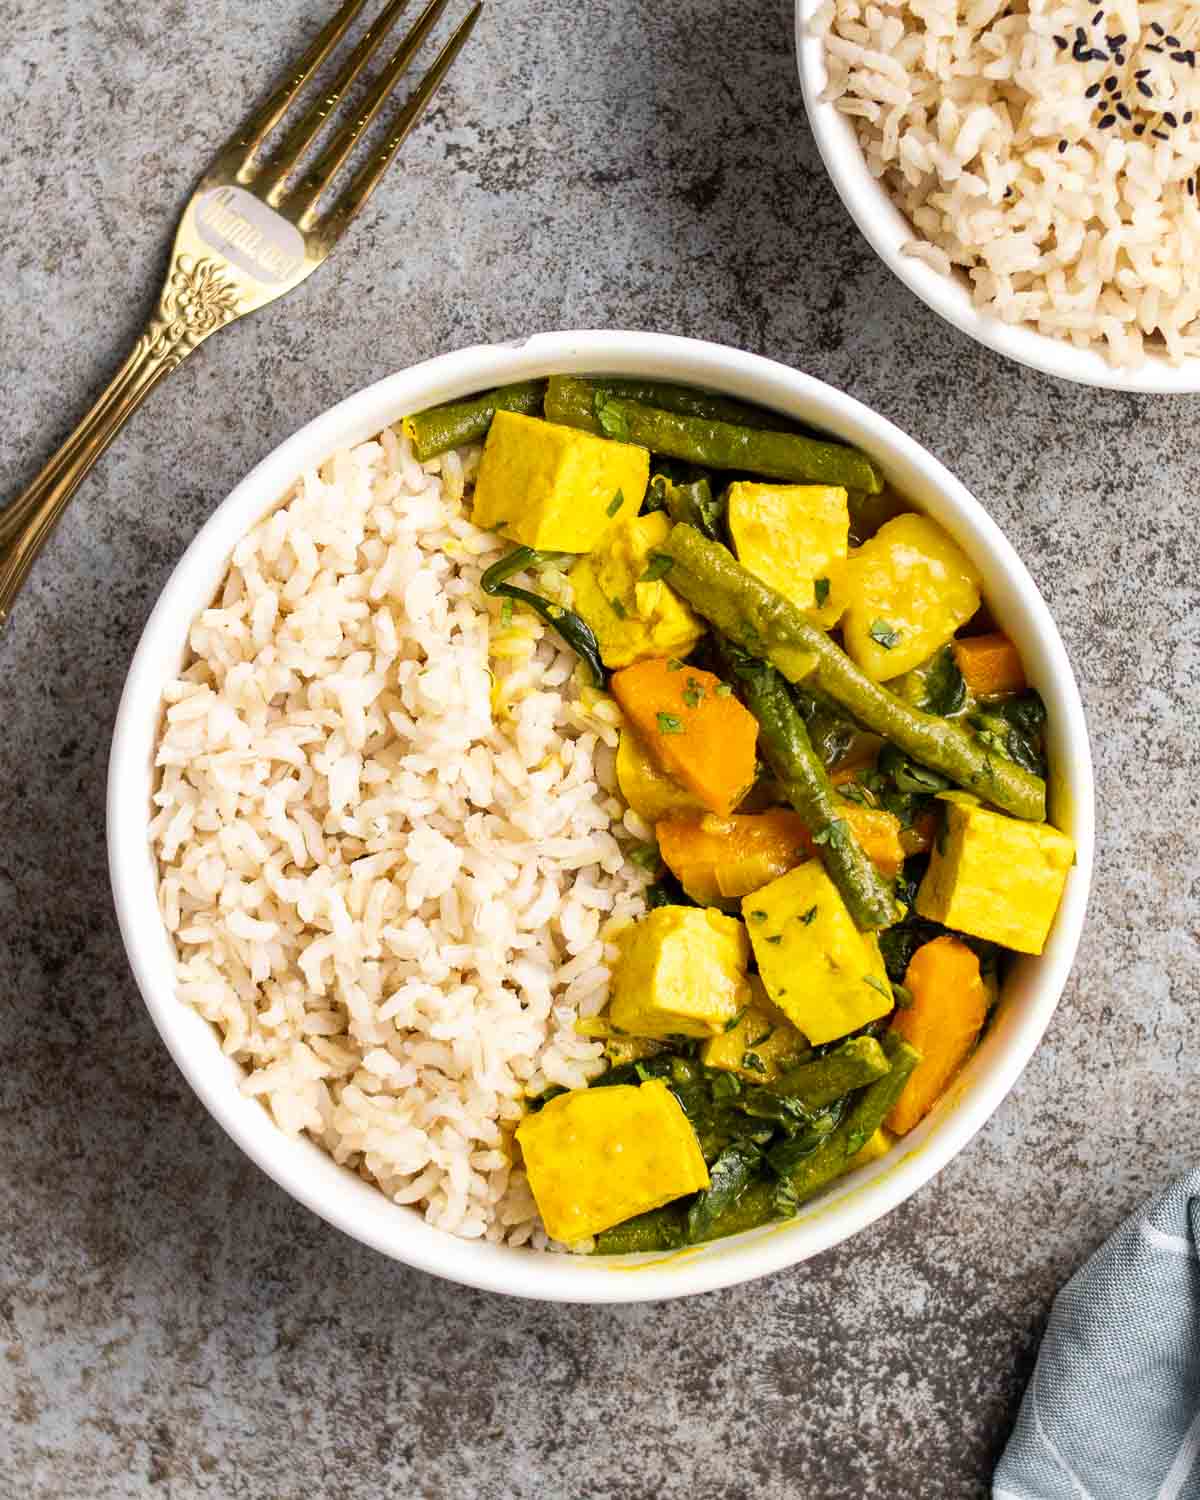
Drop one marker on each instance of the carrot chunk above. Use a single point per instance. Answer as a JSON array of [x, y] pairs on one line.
[[694, 728], [949, 1007], [990, 664]]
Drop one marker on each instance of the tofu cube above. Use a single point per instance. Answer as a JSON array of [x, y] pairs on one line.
[[905, 592], [555, 488], [789, 535], [826, 976], [996, 877], [633, 617], [762, 1044], [682, 972], [596, 1157]]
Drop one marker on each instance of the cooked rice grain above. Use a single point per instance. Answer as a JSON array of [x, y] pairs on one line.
[[389, 841], [1049, 151]]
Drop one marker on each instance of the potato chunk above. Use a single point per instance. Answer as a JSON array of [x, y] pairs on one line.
[[649, 791], [760, 1046], [906, 591], [791, 535], [996, 877], [633, 615], [682, 972], [555, 488], [596, 1157], [826, 976]]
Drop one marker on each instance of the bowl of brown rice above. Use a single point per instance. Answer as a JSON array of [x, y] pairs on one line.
[[1029, 171]]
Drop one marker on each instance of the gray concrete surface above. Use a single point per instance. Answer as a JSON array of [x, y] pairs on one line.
[[171, 1323]]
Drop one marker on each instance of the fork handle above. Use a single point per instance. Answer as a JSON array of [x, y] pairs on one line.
[[195, 303]]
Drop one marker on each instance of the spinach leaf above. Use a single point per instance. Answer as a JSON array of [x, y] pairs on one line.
[[945, 686], [908, 775], [732, 1172], [574, 630]]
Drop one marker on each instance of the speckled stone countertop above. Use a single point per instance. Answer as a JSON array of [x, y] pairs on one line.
[[171, 1323]]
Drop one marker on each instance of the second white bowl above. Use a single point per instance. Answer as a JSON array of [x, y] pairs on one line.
[[888, 231]]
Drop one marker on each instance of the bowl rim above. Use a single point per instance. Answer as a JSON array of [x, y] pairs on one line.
[[888, 231], [303, 1169]]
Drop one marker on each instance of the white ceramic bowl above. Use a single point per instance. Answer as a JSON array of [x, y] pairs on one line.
[[308, 1173], [888, 231]]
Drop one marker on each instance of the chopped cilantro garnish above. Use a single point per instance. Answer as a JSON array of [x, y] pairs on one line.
[[877, 984], [669, 724], [506, 613], [776, 938], [836, 834], [752, 1061], [615, 504], [758, 916], [693, 693], [658, 567], [821, 590], [674, 664], [618, 608], [808, 916], [883, 634], [723, 690]]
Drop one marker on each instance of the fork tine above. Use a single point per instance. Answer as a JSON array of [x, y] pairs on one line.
[[352, 201], [254, 131], [303, 200], [308, 127]]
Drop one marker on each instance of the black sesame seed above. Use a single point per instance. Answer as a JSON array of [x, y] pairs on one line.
[[1170, 119], [1110, 83], [1124, 111], [1144, 88], [1097, 18], [1116, 42], [1150, 47], [1061, 43], [1191, 187], [1139, 130], [1092, 92], [1157, 29], [1187, 119], [1062, 146], [1159, 135], [1105, 121], [1172, 41], [1142, 73]]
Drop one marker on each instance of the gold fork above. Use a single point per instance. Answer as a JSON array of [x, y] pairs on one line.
[[247, 236]]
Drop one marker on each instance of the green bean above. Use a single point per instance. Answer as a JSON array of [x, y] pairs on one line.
[[788, 752], [815, 1085], [689, 402], [459, 422], [573, 629], [703, 440], [755, 617], [659, 1229]]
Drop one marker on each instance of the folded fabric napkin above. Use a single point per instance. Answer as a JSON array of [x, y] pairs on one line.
[[1113, 1409]]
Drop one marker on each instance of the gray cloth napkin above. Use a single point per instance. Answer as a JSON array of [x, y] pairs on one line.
[[1113, 1409]]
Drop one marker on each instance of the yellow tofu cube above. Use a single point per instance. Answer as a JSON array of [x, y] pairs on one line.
[[762, 1044], [827, 977], [905, 592], [555, 488], [681, 972], [596, 1157], [996, 877], [645, 786], [618, 591], [791, 535]]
